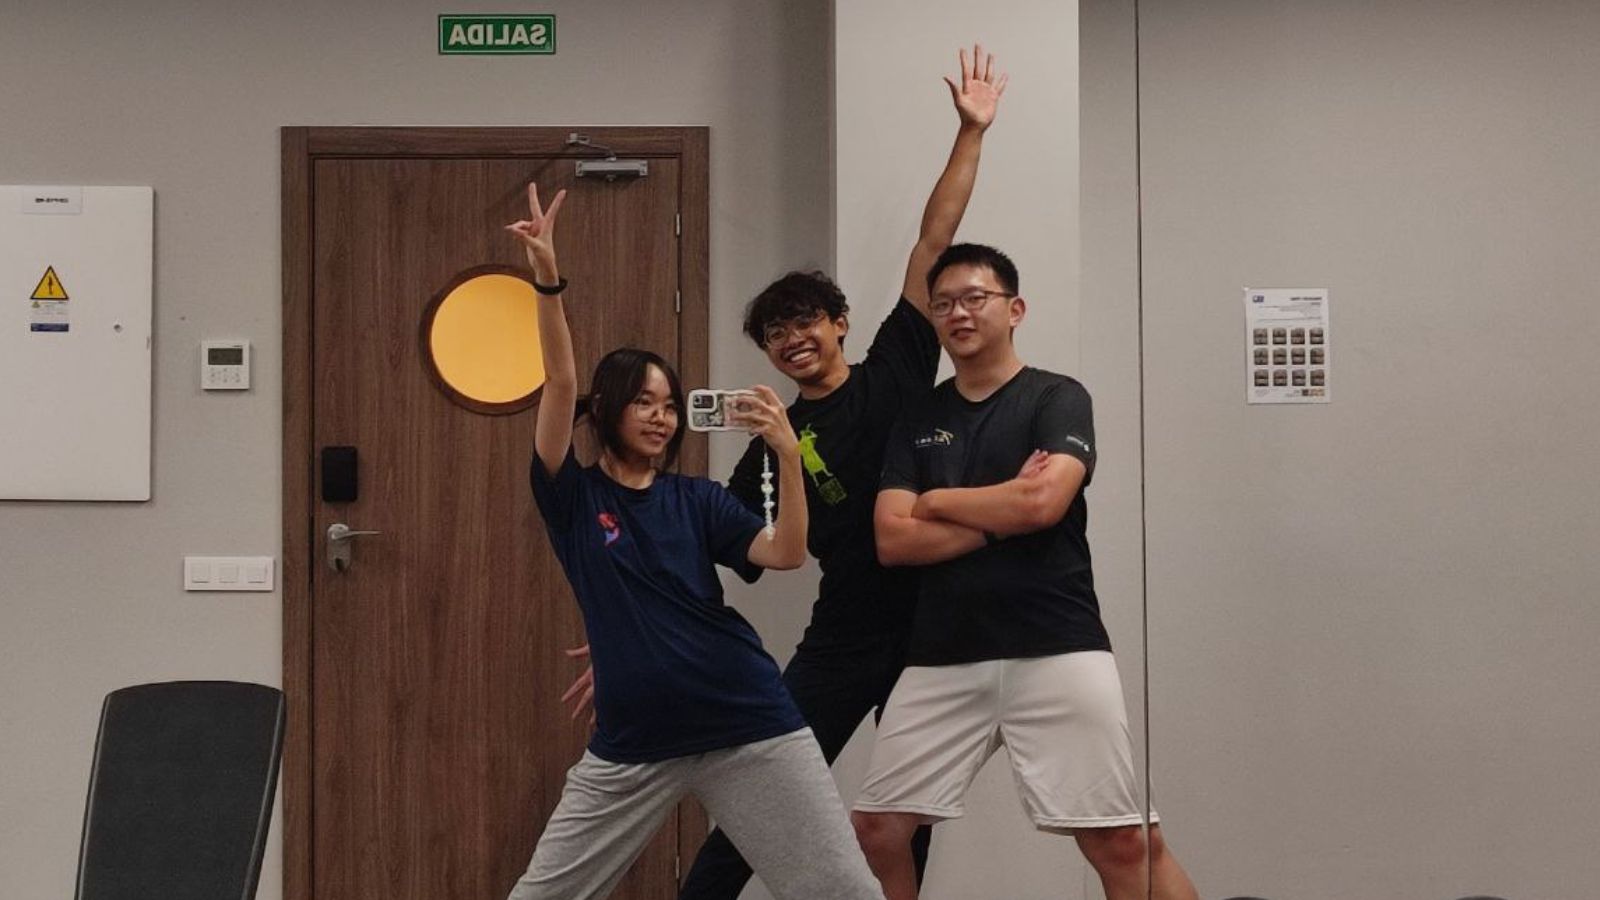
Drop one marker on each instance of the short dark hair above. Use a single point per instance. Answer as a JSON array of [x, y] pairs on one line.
[[795, 295], [618, 379], [976, 255]]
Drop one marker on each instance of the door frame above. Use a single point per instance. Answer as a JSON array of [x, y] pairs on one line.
[[302, 147]]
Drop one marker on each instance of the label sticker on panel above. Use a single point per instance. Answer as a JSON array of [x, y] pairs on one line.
[[49, 312]]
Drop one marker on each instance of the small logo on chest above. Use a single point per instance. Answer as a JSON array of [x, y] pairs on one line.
[[609, 527], [936, 438]]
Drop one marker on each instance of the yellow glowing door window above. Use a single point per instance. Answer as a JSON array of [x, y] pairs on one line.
[[482, 338]]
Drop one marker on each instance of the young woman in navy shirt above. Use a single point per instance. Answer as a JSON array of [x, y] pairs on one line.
[[686, 700]]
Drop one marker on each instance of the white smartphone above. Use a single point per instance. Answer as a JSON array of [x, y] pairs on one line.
[[709, 409]]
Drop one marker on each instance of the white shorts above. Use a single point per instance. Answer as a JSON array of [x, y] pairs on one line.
[[1061, 718]]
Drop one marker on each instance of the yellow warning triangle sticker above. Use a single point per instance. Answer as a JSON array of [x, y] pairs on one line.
[[49, 287]]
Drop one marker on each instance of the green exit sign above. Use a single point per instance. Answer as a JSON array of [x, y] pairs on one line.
[[496, 35]]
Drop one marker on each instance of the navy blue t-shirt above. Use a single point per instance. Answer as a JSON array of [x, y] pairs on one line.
[[676, 670]]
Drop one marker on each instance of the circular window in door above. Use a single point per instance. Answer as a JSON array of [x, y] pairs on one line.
[[480, 338]]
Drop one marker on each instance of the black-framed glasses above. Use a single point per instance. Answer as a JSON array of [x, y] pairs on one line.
[[941, 305], [775, 332]]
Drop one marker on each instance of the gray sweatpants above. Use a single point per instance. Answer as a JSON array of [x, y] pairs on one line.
[[775, 798]]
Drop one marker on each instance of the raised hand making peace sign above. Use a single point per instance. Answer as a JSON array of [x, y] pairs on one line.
[[537, 234]]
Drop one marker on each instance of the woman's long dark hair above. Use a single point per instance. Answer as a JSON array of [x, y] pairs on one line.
[[618, 379]]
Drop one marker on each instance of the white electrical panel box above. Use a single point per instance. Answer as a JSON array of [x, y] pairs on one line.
[[225, 365], [76, 267]]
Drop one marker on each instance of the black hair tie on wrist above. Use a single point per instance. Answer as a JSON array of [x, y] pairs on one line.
[[550, 290]]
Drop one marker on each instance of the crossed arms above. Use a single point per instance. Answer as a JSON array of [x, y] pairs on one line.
[[920, 529]]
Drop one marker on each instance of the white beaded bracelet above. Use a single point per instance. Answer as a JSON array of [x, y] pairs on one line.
[[766, 493]]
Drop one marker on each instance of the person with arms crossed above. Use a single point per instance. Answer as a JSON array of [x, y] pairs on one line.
[[982, 488]]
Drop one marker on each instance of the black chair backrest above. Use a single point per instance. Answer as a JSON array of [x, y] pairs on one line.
[[181, 792]]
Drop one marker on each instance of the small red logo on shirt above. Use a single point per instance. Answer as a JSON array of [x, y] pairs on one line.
[[608, 524]]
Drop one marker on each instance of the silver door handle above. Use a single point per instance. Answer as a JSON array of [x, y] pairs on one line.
[[339, 535], [339, 531]]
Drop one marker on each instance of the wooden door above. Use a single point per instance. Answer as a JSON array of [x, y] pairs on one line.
[[427, 743]]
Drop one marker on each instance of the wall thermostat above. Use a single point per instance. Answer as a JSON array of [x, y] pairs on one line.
[[224, 365]]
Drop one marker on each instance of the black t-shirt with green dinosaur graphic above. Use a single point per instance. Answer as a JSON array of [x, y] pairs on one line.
[[842, 439]]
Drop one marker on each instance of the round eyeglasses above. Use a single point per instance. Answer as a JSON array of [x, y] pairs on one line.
[[776, 332]]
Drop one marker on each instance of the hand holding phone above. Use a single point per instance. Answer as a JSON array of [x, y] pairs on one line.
[[713, 410]]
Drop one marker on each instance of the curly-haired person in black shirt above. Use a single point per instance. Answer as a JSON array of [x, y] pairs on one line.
[[853, 649]]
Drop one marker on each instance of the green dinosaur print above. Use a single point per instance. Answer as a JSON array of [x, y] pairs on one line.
[[828, 487]]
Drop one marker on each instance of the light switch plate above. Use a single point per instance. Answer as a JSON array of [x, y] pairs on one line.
[[228, 573]]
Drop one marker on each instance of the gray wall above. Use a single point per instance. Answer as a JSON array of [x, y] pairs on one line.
[[188, 97], [1372, 622]]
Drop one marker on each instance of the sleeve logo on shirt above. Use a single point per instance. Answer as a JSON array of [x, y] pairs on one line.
[[937, 438], [609, 527], [1079, 442]]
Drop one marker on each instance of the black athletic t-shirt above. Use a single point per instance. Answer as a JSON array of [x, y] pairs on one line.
[[842, 438], [1028, 595]]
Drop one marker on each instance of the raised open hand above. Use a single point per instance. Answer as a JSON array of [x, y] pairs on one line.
[[537, 232], [978, 96]]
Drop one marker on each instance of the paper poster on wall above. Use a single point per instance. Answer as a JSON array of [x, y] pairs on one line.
[[75, 331], [1287, 345]]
